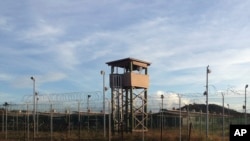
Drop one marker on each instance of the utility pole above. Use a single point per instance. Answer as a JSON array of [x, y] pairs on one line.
[[207, 110], [88, 110], [103, 110], [180, 115], [246, 103], [162, 97], [223, 120], [34, 107]]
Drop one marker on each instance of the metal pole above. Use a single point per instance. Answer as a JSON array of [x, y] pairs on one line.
[[2, 120], [223, 121], [79, 121], [188, 119], [51, 122], [34, 107], [151, 119], [104, 117], [228, 114], [17, 127], [28, 122], [142, 118], [88, 110], [6, 121], [161, 114], [207, 110], [17, 115], [109, 120], [200, 121], [180, 115], [246, 104], [68, 116], [37, 115]]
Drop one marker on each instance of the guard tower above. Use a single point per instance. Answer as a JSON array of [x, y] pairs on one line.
[[129, 81]]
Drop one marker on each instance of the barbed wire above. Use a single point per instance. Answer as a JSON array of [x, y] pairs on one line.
[[71, 100], [63, 97]]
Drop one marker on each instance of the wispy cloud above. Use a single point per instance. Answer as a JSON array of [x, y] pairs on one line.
[[41, 79], [4, 24], [41, 32], [51, 77], [5, 77]]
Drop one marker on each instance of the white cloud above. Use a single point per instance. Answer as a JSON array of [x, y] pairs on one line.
[[170, 100], [5, 77], [25, 81], [4, 24], [42, 32], [51, 77], [66, 53]]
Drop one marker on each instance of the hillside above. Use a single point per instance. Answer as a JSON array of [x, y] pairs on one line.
[[213, 108]]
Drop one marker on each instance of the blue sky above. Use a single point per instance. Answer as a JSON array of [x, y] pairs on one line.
[[64, 44]]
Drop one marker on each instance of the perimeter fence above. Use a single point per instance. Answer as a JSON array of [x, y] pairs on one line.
[[80, 115]]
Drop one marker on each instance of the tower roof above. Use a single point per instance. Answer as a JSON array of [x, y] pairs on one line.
[[124, 63]]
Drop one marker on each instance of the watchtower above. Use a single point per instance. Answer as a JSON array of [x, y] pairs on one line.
[[129, 81]]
